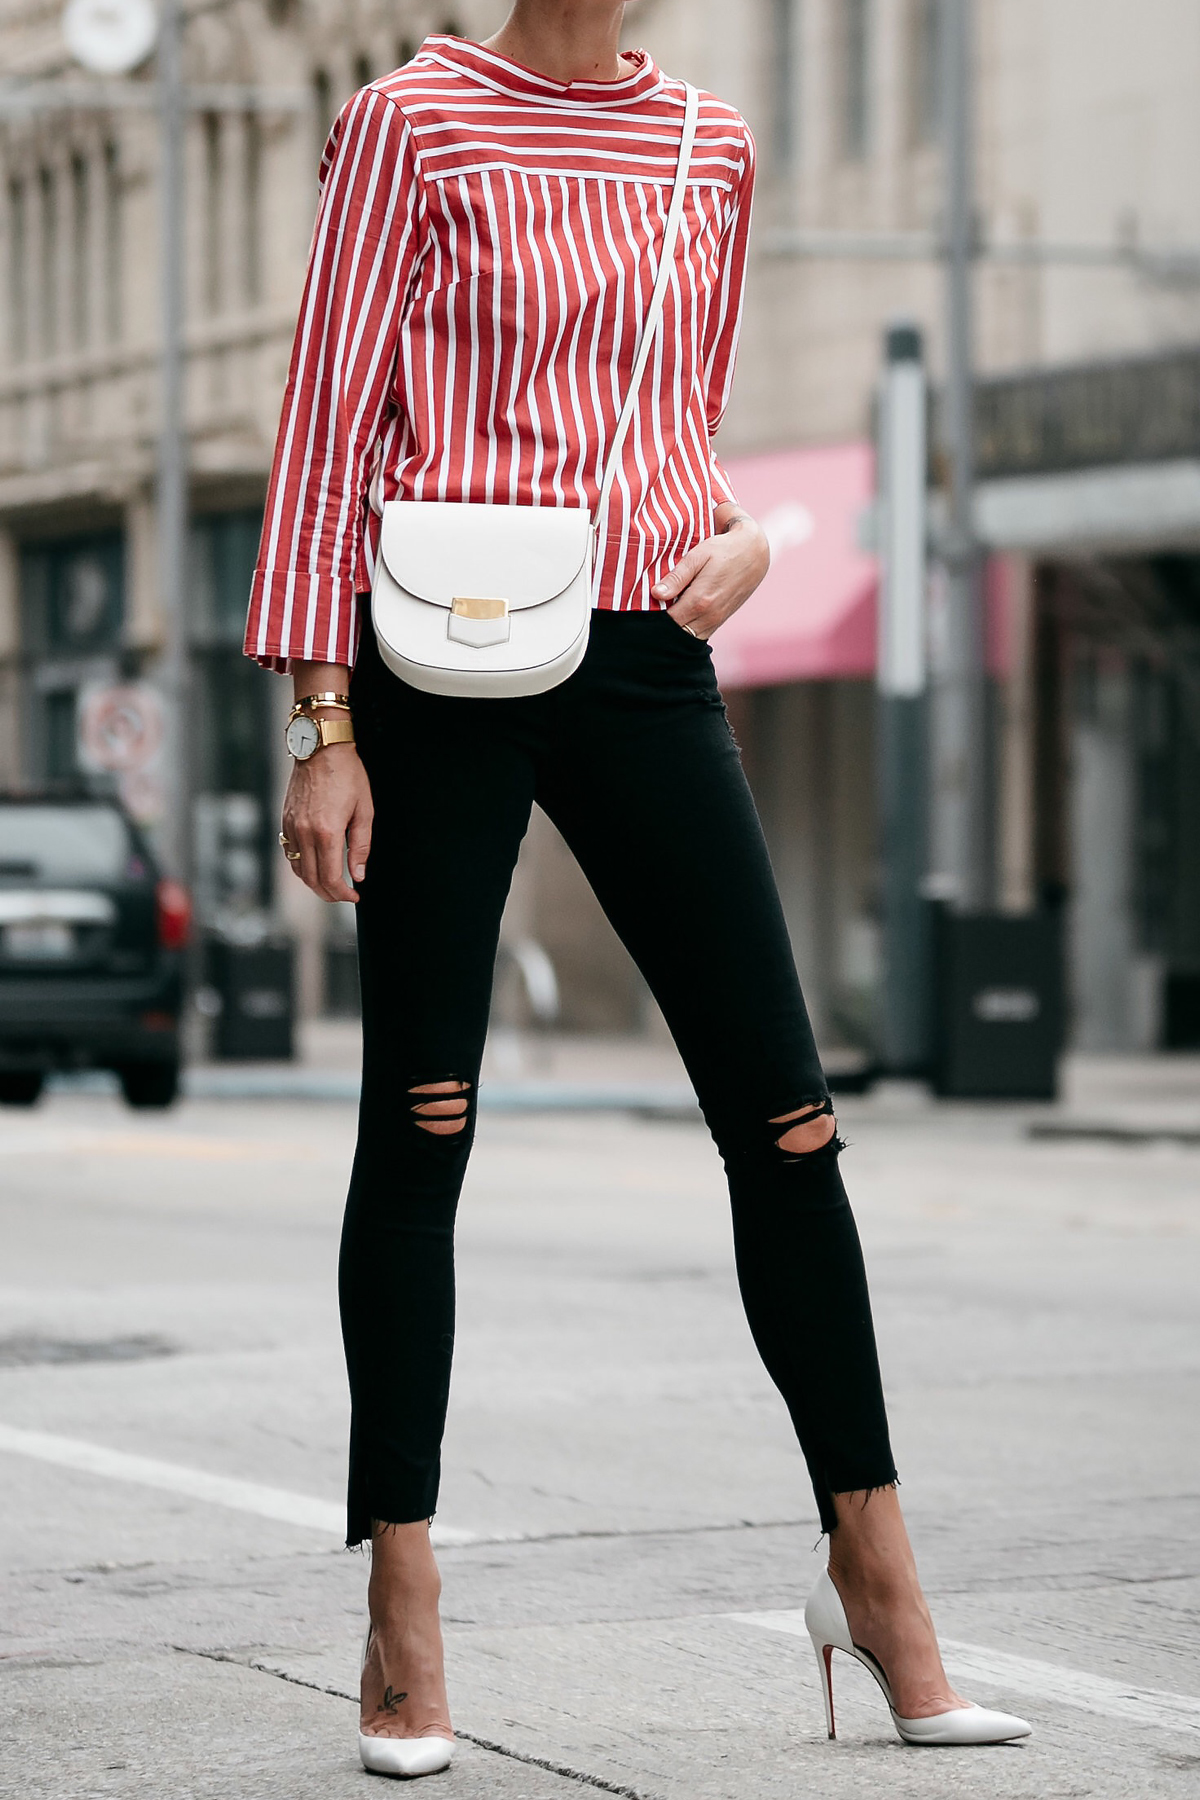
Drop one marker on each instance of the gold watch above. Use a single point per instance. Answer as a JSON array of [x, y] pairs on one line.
[[305, 734]]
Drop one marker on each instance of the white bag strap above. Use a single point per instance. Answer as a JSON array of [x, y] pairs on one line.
[[659, 294]]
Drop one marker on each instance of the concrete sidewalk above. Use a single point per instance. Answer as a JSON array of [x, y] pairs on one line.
[[630, 1534]]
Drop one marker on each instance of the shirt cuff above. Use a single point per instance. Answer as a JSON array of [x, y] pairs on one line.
[[722, 487], [298, 615]]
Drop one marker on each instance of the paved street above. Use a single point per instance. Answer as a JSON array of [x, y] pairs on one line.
[[628, 1532]]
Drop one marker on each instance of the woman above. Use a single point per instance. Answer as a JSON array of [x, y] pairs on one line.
[[484, 251]]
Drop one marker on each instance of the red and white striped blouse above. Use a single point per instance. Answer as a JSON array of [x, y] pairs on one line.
[[481, 263]]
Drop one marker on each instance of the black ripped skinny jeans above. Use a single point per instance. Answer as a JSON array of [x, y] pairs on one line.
[[633, 760]]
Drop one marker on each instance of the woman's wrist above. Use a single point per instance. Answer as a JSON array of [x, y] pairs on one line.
[[321, 689], [732, 519]]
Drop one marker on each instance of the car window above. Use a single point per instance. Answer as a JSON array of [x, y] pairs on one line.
[[63, 843]]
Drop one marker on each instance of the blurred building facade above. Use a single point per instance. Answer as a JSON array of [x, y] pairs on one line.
[[1088, 141]]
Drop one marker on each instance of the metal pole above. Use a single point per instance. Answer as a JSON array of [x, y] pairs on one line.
[[901, 708], [172, 497], [961, 821]]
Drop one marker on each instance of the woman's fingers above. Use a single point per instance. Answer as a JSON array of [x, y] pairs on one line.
[[701, 606], [684, 572], [691, 617], [690, 585], [331, 863], [292, 845], [327, 812], [306, 868], [358, 839]]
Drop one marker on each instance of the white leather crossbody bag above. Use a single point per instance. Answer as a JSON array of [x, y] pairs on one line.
[[481, 601]]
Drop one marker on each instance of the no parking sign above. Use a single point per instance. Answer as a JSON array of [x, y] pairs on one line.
[[120, 731]]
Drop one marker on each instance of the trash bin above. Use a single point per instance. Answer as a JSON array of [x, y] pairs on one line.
[[256, 987], [1000, 1006], [1181, 1010]]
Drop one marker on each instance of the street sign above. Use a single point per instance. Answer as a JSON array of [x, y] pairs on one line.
[[119, 728], [121, 731], [110, 37]]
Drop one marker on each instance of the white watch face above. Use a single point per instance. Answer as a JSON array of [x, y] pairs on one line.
[[303, 737]]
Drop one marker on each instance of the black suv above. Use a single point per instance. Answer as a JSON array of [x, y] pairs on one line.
[[91, 950]]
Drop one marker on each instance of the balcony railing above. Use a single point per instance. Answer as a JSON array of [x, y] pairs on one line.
[[1140, 409]]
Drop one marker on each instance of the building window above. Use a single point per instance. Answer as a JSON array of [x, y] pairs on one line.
[[322, 92], [785, 69], [18, 272], [362, 71], [72, 606], [114, 228], [213, 197], [80, 239], [84, 612], [925, 63], [61, 757], [48, 260], [855, 78], [406, 49], [252, 140]]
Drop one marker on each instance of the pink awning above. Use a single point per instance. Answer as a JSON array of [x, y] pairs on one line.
[[813, 618]]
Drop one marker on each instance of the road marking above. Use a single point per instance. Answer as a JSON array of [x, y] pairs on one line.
[[196, 1484], [165, 1148], [1040, 1680]]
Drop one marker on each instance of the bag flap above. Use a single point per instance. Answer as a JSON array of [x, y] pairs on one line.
[[523, 554]]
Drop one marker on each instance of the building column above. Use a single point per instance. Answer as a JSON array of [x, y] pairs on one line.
[[12, 750], [1101, 936], [1014, 593]]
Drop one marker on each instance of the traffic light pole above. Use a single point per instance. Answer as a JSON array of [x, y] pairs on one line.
[[961, 801], [172, 496], [902, 709]]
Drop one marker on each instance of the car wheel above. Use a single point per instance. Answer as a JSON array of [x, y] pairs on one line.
[[21, 1087], [150, 1084]]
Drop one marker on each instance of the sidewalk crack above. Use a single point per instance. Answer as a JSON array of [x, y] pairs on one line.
[[468, 1737]]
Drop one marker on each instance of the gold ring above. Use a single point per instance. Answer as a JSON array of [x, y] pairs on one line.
[[690, 632], [292, 855], [284, 840]]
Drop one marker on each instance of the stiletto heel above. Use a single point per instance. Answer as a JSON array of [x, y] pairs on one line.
[[405, 1757], [825, 1664], [825, 1617]]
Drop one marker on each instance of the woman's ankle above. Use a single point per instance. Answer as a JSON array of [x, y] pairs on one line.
[[405, 1579], [869, 1548]]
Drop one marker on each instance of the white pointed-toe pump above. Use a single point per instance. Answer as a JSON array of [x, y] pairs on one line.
[[404, 1757], [825, 1618]]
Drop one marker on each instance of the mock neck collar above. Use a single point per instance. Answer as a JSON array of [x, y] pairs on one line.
[[501, 73]]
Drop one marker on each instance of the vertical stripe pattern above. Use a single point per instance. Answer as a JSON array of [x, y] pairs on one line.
[[482, 260]]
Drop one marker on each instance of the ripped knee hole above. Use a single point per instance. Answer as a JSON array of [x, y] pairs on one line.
[[445, 1113], [812, 1126]]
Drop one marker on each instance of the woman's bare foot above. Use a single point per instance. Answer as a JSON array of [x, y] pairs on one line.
[[404, 1680], [872, 1567]]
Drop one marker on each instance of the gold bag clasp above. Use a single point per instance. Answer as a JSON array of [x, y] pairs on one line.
[[469, 606]]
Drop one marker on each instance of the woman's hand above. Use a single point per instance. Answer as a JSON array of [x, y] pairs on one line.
[[327, 812], [718, 575]]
